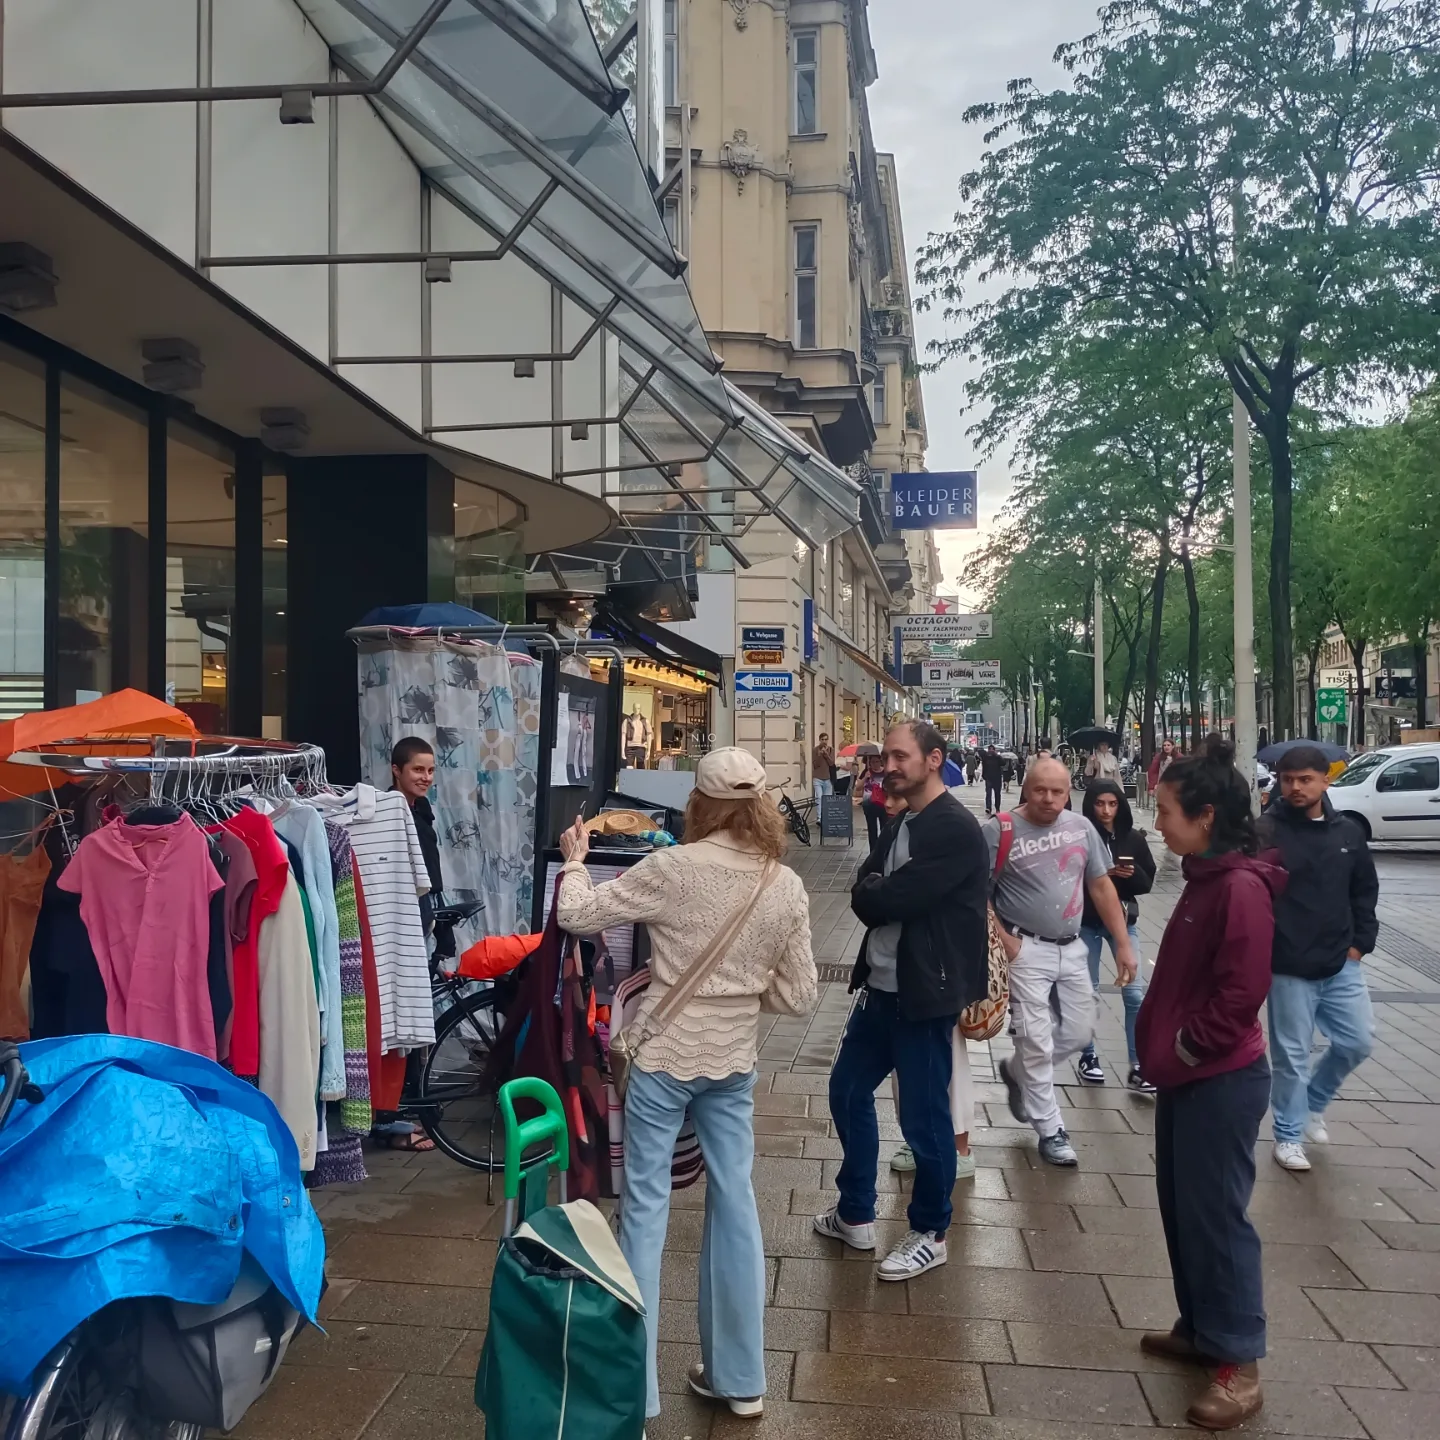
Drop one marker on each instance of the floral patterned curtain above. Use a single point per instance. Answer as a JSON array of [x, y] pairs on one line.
[[479, 707]]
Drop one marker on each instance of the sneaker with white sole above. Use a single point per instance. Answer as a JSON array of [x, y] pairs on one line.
[[1138, 1083], [918, 1252], [965, 1166], [857, 1237], [1315, 1131], [1056, 1149], [902, 1162], [749, 1408], [1089, 1069], [1290, 1155]]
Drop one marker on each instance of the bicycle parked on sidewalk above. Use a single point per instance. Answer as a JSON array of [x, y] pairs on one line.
[[797, 817]]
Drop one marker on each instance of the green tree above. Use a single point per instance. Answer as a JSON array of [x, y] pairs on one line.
[[1260, 175]]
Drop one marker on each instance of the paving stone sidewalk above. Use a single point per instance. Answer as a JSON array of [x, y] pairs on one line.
[[1030, 1332]]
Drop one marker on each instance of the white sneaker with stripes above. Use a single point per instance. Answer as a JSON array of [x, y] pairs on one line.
[[918, 1252]]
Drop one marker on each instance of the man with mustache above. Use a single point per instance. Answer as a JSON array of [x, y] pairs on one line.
[[1054, 857]]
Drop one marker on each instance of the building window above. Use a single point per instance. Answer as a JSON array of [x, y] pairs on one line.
[[878, 398], [672, 219], [672, 52], [22, 534], [807, 245], [807, 82]]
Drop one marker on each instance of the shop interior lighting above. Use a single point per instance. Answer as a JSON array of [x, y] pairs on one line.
[[172, 366], [284, 429], [27, 278]]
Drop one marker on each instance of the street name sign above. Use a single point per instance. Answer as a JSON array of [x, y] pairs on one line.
[[762, 637], [949, 674], [1332, 707], [921, 500], [948, 629]]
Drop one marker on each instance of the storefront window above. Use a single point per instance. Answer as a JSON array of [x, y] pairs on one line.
[[274, 625], [22, 534], [199, 577], [489, 553], [104, 522]]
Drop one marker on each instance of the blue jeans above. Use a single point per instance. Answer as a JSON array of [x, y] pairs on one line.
[[732, 1255], [1340, 1008], [822, 788], [1132, 994], [878, 1039]]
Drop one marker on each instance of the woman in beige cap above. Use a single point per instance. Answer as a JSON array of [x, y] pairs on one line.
[[725, 879]]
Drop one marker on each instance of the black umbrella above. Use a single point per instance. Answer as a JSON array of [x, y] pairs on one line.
[[1272, 754], [1091, 736]]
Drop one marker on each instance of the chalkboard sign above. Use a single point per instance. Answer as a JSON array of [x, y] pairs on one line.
[[837, 819]]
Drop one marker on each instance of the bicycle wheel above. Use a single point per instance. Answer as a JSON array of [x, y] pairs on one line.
[[455, 1105]]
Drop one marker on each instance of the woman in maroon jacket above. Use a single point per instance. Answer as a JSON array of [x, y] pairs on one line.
[[1201, 1045]]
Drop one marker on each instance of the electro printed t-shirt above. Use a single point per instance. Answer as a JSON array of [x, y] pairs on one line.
[[1042, 887], [882, 952]]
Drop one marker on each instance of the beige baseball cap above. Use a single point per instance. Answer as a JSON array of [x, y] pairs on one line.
[[730, 774]]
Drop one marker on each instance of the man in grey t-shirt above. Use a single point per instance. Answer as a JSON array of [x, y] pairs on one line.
[[1054, 857]]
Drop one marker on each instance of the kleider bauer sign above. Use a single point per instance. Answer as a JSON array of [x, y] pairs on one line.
[[923, 501], [960, 674], [947, 629]]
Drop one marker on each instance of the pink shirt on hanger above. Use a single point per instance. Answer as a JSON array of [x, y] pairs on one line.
[[145, 899]]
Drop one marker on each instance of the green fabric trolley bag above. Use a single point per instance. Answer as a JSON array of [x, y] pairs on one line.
[[564, 1356]]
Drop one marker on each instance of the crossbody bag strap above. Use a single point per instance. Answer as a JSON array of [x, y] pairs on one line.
[[679, 994]]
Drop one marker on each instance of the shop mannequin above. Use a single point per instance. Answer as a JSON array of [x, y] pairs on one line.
[[635, 738]]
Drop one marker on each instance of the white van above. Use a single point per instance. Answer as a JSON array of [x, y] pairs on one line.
[[1394, 794]]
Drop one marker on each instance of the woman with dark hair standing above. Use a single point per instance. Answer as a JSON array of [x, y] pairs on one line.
[[1202, 1047], [870, 792], [1132, 872]]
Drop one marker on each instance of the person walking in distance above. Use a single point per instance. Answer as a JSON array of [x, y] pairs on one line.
[[1324, 926], [1054, 859], [870, 793], [822, 770], [1201, 1044], [1160, 762], [726, 875], [992, 771], [1132, 872], [921, 897]]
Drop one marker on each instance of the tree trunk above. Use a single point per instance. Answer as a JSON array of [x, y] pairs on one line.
[[1192, 598], [1357, 720], [1282, 639], [1152, 655], [1420, 650], [1312, 724]]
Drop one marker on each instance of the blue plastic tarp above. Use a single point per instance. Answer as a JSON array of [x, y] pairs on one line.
[[146, 1170]]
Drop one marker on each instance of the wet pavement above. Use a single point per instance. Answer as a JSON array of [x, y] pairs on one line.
[[1030, 1332]]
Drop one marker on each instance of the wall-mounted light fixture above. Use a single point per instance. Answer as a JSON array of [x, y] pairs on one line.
[[284, 429], [27, 278], [172, 365]]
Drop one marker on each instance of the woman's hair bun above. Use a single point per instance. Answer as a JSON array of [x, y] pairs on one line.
[[1217, 747]]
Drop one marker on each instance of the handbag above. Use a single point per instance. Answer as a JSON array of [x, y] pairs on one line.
[[626, 1044], [985, 1019]]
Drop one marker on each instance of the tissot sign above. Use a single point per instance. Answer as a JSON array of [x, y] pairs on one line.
[[923, 501]]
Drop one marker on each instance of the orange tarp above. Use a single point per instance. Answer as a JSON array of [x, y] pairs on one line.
[[126, 712]]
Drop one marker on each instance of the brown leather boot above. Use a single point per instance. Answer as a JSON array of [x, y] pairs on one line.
[[1233, 1397], [1172, 1345]]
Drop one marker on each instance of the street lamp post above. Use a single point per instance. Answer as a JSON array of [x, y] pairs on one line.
[[1245, 734], [1099, 655]]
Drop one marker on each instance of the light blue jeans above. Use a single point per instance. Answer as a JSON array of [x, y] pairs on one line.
[[1340, 1008], [1095, 936], [822, 788], [732, 1255]]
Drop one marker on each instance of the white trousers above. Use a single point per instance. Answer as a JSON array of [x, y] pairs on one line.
[[1053, 1005], [962, 1087]]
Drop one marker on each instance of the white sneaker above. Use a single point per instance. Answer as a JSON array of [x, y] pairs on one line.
[[918, 1252], [1315, 1131], [857, 1237], [902, 1162], [965, 1166], [749, 1409], [1290, 1155]]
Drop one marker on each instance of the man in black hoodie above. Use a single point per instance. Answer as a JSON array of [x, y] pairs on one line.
[[1324, 924]]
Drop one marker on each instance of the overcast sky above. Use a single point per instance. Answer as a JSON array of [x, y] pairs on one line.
[[936, 57]]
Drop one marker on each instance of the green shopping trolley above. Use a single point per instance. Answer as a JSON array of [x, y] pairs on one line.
[[564, 1356]]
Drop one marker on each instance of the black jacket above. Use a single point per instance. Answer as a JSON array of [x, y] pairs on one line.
[[938, 896], [1329, 904], [1124, 842], [992, 767]]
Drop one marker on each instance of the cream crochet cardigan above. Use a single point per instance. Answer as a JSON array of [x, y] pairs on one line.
[[684, 896]]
